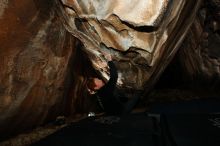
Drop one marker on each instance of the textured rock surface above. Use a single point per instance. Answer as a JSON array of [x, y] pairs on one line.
[[35, 51], [200, 53], [141, 46]]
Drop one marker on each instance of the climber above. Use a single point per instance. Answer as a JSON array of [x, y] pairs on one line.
[[111, 103]]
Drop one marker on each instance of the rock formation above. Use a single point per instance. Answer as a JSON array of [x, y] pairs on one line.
[[46, 48], [142, 36], [35, 52], [200, 53]]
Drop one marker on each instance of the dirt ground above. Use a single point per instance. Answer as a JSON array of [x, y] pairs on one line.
[[157, 95]]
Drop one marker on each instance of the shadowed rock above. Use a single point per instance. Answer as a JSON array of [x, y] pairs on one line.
[[42, 63], [35, 52]]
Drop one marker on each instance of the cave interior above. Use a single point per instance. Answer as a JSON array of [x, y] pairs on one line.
[[45, 59]]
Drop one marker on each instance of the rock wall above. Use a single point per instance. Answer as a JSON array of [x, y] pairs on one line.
[[42, 63], [200, 52], [142, 36], [35, 53]]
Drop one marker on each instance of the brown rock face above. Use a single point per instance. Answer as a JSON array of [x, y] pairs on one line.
[[42, 64], [35, 52], [200, 53], [142, 35]]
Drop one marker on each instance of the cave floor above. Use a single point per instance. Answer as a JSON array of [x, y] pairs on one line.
[[191, 123], [159, 101]]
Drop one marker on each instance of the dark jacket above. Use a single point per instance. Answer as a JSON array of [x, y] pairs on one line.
[[107, 99]]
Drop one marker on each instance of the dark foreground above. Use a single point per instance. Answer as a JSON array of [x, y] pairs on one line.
[[194, 123]]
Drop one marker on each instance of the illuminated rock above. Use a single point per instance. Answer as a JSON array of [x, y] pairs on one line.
[[141, 35]]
